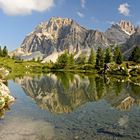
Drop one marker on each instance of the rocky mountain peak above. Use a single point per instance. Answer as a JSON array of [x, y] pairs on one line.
[[51, 28], [58, 34], [52, 37], [138, 29], [116, 35], [127, 27], [60, 21]]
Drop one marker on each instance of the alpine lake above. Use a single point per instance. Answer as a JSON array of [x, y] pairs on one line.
[[67, 106]]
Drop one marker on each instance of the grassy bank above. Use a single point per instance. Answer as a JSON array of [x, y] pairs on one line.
[[20, 68]]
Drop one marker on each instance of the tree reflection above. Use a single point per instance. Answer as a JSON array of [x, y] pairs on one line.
[[64, 92], [92, 88], [118, 86], [99, 86], [65, 79]]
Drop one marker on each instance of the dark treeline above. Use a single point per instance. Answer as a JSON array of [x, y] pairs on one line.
[[3, 51], [135, 56], [96, 59]]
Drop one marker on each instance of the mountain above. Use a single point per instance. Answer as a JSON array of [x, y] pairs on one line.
[[51, 38], [119, 33], [59, 34], [127, 27], [132, 42]]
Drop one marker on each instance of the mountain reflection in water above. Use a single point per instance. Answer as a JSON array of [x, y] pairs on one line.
[[64, 92]]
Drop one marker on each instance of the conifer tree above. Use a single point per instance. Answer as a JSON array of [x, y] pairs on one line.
[[71, 60], [1, 52], [81, 60], [118, 56], [108, 56], [99, 58], [92, 57], [135, 56], [63, 59], [5, 51]]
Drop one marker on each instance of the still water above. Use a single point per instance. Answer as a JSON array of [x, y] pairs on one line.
[[65, 106]]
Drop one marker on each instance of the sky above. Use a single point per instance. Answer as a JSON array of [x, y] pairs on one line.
[[20, 17]]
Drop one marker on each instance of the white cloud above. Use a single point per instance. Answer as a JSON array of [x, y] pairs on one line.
[[124, 9], [25, 7], [81, 15], [83, 2]]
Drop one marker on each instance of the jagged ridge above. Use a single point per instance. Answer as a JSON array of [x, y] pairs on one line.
[[52, 37]]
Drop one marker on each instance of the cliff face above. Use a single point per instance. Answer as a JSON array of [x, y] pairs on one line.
[[127, 27], [132, 42], [116, 35], [59, 34], [134, 39], [120, 32], [51, 38]]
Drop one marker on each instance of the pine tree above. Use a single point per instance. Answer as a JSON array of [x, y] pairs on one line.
[[81, 60], [115, 54], [5, 51], [1, 54], [118, 56], [135, 56], [99, 58], [108, 56], [71, 60], [63, 59], [92, 57]]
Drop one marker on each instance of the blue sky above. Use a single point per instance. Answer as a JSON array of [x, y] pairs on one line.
[[19, 17]]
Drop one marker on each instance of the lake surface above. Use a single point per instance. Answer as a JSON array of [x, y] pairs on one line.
[[65, 106]]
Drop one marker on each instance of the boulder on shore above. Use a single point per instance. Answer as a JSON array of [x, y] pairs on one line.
[[5, 97]]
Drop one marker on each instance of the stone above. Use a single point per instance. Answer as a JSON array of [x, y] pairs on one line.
[[76, 137], [2, 102], [5, 97]]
